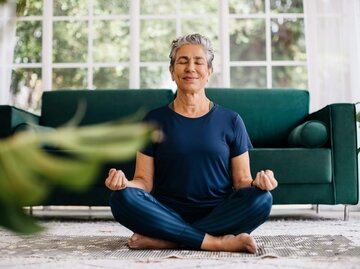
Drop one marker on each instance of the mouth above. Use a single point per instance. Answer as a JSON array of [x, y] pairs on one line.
[[189, 78]]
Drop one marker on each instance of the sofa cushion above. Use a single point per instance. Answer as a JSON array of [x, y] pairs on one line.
[[269, 114], [58, 107], [310, 134], [294, 165]]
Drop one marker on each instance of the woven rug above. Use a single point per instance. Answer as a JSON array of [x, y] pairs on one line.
[[96, 247]]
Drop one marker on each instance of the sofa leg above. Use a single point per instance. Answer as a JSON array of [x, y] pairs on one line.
[[317, 208], [346, 212]]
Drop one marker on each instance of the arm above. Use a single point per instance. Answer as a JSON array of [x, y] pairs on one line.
[[341, 122], [240, 167], [143, 178]]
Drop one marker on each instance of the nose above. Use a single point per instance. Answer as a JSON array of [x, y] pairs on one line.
[[190, 66]]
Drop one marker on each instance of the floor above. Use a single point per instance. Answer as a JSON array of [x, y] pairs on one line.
[[293, 221]]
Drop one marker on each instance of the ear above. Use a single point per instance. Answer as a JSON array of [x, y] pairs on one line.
[[210, 71], [171, 70]]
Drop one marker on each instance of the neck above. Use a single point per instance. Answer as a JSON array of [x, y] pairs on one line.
[[191, 104]]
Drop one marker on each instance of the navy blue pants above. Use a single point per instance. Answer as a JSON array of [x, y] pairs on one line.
[[242, 212]]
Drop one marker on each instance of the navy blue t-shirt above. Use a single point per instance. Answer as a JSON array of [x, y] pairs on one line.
[[193, 161]]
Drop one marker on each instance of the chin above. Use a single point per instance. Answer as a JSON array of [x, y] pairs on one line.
[[192, 88]]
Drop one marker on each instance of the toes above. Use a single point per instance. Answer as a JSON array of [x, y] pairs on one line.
[[133, 241], [248, 242]]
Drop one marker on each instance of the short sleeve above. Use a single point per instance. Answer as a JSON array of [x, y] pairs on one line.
[[241, 142]]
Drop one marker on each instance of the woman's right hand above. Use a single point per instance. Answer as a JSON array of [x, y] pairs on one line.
[[116, 180]]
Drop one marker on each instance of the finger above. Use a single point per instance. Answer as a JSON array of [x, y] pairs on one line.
[[261, 180], [272, 182], [272, 178], [111, 171], [109, 180], [123, 179], [256, 181], [267, 183], [112, 181], [120, 173], [119, 180], [270, 173]]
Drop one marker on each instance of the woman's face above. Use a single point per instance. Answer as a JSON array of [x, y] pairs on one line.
[[190, 71]]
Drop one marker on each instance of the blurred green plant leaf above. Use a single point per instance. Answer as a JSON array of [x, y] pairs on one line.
[[28, 172], [15, 219]]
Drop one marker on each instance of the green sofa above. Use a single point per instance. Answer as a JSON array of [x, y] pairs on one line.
[[312, 155]]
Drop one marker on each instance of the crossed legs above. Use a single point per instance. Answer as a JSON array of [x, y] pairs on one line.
[[226, 228]]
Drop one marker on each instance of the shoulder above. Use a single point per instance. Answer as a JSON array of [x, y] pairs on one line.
[[157, 114], [227, 113], [230, 117]]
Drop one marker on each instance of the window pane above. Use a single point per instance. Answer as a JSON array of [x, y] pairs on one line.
[[287, 39], [157, 7], [33, 8], [111, 7], [190, 7], [286, 6], [290, 76], [246, 6], [247, 40], [111, 78], [70, 42], [248, 76], [111, 41], [215, 79], [69, 78], [28, 42], [26, 88], [70, 7], [155, 39], [155, 77], [208, 28]]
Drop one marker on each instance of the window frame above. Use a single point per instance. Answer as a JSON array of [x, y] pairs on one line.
[[134, 63]]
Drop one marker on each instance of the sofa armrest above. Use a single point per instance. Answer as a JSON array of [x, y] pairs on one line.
[[11, 117], [341, 122]]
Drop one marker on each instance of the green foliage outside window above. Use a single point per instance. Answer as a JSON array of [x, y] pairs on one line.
[[247, 40], [110, 46], [28, 42], [70, 42]]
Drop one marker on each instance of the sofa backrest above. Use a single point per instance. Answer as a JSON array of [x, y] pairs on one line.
[[269, 114], [58, 107]]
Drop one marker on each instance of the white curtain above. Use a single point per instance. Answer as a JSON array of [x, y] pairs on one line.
[[7, 45], [332, 31]]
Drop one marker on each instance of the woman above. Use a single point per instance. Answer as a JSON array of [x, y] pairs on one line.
[[202, 193]]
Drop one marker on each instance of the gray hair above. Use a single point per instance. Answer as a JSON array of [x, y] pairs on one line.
[[193, 39]]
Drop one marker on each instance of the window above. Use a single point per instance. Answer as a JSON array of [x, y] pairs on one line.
[[108, 44], [267, 44]]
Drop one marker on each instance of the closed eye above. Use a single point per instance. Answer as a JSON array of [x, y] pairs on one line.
[[182, 61]]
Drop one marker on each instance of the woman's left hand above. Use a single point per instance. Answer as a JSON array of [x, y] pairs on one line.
[[265, 180]]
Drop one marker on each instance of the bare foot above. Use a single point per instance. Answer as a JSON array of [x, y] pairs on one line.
[[232, 243], [138, 241]]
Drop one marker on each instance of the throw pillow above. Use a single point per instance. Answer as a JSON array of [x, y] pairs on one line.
[[310, 134]]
